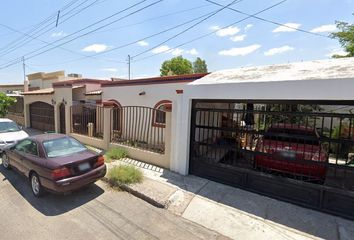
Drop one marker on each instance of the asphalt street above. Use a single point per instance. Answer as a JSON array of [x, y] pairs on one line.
[[96, 212]]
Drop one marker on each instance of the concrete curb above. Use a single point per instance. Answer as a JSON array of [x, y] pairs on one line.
[[138, 194]]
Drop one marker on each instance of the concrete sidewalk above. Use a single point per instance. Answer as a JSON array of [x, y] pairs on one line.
[[235, 213]]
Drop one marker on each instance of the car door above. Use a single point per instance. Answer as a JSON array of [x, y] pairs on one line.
[[17, 153], [31, 159]]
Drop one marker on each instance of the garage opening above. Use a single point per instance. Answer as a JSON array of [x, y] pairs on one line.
[[42, 116], [298, 151]]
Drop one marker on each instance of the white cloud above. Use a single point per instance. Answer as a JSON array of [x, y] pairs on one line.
[[109, 69], [193, 51], [248, 26], [289, 27], [240, 51], [143, 43], [177, 52], [97, 48], [58, 34], [336, 51], [325, 28], [224, 32], [274, 51], [238, 38], [163, 48]]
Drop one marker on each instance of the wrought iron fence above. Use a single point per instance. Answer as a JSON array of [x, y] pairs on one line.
[[87, 119], [307, 141], [140, 127]]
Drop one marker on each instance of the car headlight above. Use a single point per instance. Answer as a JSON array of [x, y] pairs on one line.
[[2, 142]]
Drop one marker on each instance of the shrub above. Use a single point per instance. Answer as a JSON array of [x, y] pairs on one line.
[[116, 154], [124, 174]]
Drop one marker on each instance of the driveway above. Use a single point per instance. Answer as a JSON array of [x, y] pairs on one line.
[[96, 212]]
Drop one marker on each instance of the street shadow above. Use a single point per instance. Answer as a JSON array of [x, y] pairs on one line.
[[50, 204], [258, 206]]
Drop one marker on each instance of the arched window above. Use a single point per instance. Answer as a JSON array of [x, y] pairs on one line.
[[116, 116], [159, 116]]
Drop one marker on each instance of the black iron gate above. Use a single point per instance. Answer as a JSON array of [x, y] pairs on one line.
[[62, 118], [297, 151]]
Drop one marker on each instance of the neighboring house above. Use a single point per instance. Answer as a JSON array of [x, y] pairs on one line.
[[42, 80], [10, 88], [46, 109]]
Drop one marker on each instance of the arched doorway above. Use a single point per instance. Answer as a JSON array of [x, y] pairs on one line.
[[42, 116], [62, 118]]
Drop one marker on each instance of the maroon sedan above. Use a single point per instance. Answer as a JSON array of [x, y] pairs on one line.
[[54, 162]]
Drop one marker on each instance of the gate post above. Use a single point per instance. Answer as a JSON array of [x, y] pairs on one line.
[[107, 125]]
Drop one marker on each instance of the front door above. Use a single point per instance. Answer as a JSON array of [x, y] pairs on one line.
[[62, 118]]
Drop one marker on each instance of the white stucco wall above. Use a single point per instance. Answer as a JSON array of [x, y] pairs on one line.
[[129, 95], [314, 89], [154, 93]]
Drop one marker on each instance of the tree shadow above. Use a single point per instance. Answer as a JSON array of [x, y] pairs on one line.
[[50, 204]]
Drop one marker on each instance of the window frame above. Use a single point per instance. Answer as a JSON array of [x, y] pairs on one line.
[[168, 108]]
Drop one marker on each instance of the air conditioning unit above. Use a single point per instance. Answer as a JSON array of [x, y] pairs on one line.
[[75, 75]]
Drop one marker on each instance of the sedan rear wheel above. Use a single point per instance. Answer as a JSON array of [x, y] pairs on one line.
[[36, 186], [5, 161]]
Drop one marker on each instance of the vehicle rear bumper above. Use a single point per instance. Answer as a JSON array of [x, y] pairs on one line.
[[74, 183]]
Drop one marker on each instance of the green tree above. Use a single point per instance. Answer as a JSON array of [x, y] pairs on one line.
[[199, 66], [176, 66], [345, 36], [5, 103]]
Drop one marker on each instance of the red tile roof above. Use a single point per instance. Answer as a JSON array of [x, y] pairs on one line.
[[155, 80]]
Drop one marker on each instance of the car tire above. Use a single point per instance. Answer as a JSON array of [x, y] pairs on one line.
[[5, 161], [36, 185]]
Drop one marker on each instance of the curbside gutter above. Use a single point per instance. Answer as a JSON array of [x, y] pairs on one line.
[[138, 194]]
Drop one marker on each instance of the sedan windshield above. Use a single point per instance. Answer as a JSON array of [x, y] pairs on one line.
[[8, 127], [62, 147]]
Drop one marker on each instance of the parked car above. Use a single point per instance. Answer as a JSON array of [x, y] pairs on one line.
[[294, 150], [54, 162], [10, 133]]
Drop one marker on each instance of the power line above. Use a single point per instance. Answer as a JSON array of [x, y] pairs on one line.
[[14, 42], [15, 61], [65, 49], [155, 18], [187, 29], [38, 33], [211, 33], [269, 21], [135, 41]]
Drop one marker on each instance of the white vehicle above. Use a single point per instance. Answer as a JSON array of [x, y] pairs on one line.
[[10, 133]]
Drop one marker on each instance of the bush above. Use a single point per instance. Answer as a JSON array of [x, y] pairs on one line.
[[115, 154], [124, 174]]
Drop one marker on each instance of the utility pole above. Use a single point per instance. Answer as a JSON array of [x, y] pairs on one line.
[[25, 83], [129, 58], [24, 68]]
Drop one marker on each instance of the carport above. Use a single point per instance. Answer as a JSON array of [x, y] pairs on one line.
[[285, 131]]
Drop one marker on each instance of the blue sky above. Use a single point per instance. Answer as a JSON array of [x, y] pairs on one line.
[[251, 42]]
